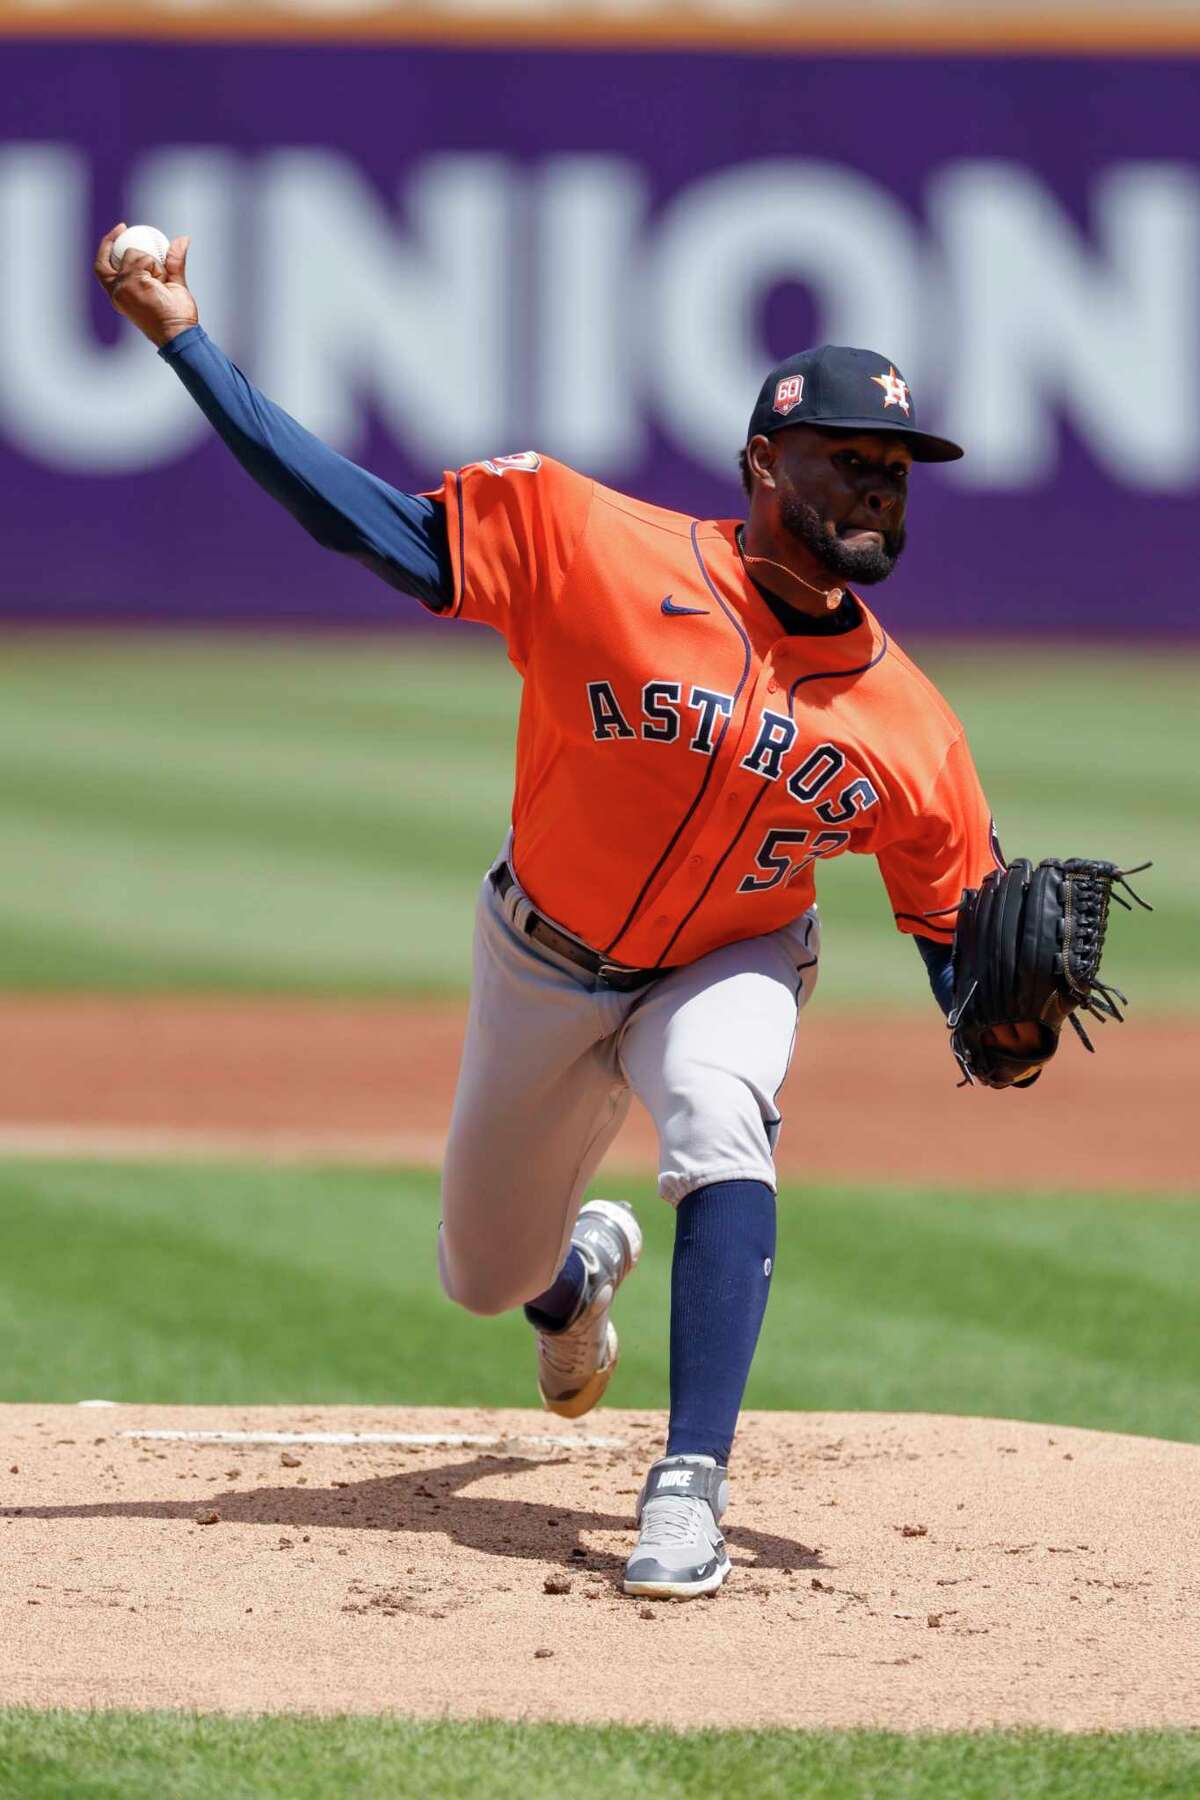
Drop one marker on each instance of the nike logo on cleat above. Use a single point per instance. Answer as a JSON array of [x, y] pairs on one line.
[[678, 612]]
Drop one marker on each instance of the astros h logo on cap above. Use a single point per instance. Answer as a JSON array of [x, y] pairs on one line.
[[849, 390]]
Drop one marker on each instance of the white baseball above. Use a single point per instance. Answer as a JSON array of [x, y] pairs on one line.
[[147, 239]]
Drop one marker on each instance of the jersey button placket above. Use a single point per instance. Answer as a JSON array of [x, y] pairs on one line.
[[736, 787], [734, 791], [731, 793]]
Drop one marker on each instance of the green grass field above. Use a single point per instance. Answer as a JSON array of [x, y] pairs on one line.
[[256, 815], [171, 1283], [121, 1756], [284, 815]]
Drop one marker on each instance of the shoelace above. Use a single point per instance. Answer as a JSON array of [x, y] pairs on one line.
[[573, 1351], [670, 1520]]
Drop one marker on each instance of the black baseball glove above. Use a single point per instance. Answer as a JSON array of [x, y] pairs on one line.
[[1027, 950]]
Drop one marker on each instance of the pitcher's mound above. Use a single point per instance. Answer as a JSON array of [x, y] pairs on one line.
[[895, 1571]]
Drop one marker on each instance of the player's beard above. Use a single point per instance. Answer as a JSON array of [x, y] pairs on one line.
[[860, 564]]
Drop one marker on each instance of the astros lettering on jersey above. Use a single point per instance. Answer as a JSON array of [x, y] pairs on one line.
[[682, 763]]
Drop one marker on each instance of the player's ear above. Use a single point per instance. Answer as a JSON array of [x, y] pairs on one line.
[[760, 457]]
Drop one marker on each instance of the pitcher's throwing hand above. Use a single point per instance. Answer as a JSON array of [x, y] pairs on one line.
[[155, 299]]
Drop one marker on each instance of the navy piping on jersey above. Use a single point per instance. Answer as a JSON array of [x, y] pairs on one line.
[[717, 867], [712, 761], [818, 675], [462, 547], [838, 674], [927, 920]]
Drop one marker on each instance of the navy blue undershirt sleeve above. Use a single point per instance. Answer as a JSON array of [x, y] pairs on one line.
[[939, 964], [400, 537]]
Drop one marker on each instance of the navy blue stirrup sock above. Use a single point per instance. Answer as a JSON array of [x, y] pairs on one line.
[[720, 1279], [552, 1310]]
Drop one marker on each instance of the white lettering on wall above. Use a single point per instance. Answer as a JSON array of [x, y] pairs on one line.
[[1044, 324], [494, 305], [356, 311], [725, 241], [65, 399], [586, 313]]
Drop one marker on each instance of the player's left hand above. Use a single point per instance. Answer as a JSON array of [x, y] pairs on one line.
[[1027, 950], [1018, 1040], [158, 301]]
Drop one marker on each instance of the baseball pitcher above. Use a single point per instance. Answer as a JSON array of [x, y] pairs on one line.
[[709, 710]]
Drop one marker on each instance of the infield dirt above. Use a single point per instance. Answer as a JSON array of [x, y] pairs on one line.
[[869, 1096], [890, 1571]]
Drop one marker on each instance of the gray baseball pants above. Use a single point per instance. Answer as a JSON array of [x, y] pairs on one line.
[[548, 1067]]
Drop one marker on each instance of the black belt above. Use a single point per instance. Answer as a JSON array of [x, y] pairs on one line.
[[610, 975]]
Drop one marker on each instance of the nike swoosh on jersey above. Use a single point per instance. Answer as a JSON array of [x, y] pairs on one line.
[[678, 612]]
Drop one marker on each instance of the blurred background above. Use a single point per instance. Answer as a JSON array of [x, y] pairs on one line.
[[593, 236], [237, 774]]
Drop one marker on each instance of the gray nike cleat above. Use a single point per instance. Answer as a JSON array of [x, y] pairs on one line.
[[680, 1552], [576, 1363]]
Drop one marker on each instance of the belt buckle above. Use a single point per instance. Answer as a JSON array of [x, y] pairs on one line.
[[624, 980]]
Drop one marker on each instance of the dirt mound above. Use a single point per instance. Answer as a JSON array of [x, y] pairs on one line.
[[906, 1572], [870, 1096]]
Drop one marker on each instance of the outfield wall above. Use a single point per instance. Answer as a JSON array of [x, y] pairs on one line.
[[433, 252]]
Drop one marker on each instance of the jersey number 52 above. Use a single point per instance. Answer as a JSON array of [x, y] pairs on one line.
[[778, 864]]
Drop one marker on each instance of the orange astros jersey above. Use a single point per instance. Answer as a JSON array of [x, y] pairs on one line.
[[682, 763]]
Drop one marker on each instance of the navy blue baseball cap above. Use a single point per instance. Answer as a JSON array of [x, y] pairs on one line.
[[847, 390]]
